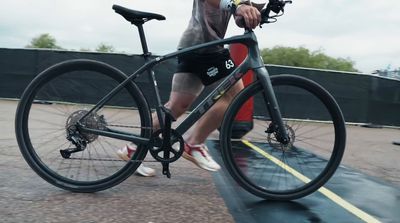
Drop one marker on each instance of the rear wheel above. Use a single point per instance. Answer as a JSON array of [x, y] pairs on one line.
[[272, 170], [46, 125]]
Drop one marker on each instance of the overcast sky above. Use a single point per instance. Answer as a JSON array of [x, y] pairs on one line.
[[367, 31]]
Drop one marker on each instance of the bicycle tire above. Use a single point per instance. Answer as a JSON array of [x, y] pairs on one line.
[[51, 96], [250, 164]]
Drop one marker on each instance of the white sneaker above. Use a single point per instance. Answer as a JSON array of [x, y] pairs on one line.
[[198, 154], [126, 153]]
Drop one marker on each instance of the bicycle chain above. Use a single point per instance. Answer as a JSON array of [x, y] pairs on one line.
[[130, 126], [116, 160]]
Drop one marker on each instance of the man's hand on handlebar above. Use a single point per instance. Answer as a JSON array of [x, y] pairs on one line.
[[250, 15]]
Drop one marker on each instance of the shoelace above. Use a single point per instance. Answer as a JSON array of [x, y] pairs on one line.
[[202, 149]]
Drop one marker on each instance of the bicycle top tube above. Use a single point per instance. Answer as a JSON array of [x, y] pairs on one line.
[[248, 38]]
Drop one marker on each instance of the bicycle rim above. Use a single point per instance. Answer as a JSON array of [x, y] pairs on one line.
[[266, 167], [55, 100]]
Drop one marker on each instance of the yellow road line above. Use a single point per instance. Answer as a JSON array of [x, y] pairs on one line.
[[329, 194]]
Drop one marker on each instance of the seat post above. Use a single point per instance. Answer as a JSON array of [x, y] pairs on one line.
[[143, 40]]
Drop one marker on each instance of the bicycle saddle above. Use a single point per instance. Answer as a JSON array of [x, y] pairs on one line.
[[136, 17]]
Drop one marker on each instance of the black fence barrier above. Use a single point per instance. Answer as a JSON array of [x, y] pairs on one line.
[[363, 98], [18, 67]]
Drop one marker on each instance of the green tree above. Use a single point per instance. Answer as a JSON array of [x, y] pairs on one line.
[[104, 48], [44, 41], [302, 57]]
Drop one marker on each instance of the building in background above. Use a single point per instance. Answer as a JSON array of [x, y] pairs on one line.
[[388, 72]]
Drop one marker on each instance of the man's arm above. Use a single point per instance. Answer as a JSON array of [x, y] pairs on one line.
[[214, 3], [250, 14]]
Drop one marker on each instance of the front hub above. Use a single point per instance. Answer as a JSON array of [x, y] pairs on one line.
[[277, 142]]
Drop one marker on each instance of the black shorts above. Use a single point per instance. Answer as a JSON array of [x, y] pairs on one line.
[[209, 67]]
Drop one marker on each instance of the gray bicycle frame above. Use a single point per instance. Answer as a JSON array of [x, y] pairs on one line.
[[252, 62]]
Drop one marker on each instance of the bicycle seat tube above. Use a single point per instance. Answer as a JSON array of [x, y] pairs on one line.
[[151, 77]]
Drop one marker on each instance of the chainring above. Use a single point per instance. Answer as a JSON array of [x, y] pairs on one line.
[[161, 151]]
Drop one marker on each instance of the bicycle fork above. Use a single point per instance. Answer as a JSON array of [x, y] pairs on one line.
[[277, 124]]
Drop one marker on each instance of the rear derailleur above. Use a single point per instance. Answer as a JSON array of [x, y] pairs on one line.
[[76, 139]]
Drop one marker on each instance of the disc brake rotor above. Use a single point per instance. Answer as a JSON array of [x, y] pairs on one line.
[[272, 140]]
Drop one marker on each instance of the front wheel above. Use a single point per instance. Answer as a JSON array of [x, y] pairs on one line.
[[47, 133], [272, 170]]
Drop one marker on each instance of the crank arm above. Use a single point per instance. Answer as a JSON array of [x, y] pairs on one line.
[[165, 170]]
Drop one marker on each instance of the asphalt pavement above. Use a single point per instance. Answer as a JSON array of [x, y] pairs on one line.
[[189, 196], [194, 195]]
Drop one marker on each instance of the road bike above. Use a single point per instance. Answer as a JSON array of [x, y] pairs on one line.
[[75, 115]]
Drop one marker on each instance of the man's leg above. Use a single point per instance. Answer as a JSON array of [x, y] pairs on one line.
[[213, 118], [185, 89], [195, 150]]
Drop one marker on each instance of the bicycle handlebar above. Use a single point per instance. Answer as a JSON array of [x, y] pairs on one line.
[[276, 6]]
